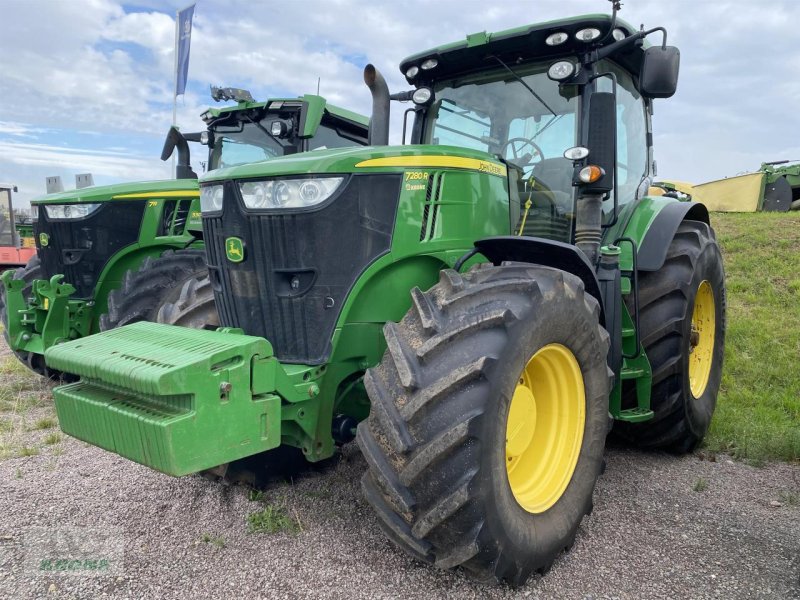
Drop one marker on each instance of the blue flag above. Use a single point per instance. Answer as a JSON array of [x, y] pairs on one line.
[[184, 24]]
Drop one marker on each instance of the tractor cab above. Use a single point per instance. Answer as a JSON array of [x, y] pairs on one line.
[[525, 96], [251, 131]]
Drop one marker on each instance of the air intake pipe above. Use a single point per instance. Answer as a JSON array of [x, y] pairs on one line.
[[379, 121]]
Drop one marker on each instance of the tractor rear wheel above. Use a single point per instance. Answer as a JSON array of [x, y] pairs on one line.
[[488, 422], [35, 362], [144, 291], [193, 306], [682, 321]]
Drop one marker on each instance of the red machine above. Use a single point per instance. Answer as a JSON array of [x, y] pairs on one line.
[[17, 245]]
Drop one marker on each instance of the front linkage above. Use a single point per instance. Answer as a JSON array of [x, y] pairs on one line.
[[48, 317]]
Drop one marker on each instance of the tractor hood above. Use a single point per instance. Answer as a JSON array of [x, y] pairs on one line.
[[365, 160], [104, 193]]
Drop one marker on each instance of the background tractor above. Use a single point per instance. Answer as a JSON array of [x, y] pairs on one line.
[[16, 232], [112, 255], [479, 305]]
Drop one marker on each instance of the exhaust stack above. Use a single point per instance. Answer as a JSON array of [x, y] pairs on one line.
[[379, 121], [183, 169]]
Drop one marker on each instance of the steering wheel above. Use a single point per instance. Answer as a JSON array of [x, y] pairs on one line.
[[519, 157]]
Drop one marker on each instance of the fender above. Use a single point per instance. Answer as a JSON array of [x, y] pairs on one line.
[[548, 253], [653, 248]]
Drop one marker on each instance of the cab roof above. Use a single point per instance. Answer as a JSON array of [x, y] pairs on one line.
[[314, 101], [519, 44]]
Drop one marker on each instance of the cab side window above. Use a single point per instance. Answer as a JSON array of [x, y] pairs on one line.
[[631, 134]]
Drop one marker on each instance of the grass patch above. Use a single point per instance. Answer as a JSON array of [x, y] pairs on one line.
[[272, 519], [255, 496], [25, 406], [789, 498], [701, 485], [46, 423], [214, 540], [758, 410]]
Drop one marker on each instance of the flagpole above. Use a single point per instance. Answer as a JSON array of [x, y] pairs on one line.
[[175, 83]]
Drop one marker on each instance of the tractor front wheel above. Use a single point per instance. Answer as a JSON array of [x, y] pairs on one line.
[[488, 421], [144, 291]]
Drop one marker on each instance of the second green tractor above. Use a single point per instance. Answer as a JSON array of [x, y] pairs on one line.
[[478, 307], [112, 255]]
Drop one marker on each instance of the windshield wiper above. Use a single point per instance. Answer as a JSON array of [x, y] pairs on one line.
[[527, 87], [553, 119]]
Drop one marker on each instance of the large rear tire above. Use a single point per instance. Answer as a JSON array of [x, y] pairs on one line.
[[157, 281], [488, 422], [682, 321]]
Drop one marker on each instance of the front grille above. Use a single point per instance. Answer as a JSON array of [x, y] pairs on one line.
[[79, 249], [299, 266]]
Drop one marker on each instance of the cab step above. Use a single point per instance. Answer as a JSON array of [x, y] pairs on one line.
[[635, 415]]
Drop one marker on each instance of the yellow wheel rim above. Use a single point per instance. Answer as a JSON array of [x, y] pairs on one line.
[[544, 430], [701, 342]]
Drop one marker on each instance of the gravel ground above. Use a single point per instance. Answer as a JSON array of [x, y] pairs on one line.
[[652, 533]]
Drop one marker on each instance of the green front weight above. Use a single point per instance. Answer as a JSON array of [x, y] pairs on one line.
[[178, 400]]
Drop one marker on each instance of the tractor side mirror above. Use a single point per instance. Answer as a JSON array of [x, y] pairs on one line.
[[659, 75], [602, 140]]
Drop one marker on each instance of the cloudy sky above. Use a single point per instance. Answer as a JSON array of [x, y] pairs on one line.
[[86, 85]]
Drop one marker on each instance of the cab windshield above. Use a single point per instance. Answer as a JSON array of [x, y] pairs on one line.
[[247, 142], [244, 143], [530, 123]]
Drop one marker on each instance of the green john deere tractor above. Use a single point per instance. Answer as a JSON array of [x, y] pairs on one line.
[[113, 255], [480, 305]]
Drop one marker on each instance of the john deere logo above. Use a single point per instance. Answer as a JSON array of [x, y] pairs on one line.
[[234, 249], [44, 239]]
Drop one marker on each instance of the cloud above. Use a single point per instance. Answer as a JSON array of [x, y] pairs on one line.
[[20, 129], [104, 164]]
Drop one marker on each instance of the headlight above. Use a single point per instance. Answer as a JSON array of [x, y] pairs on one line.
[[211, 198], [561, 70], [288, 193], [588, 34], [556, 39], [422, 95], [70, 211]]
